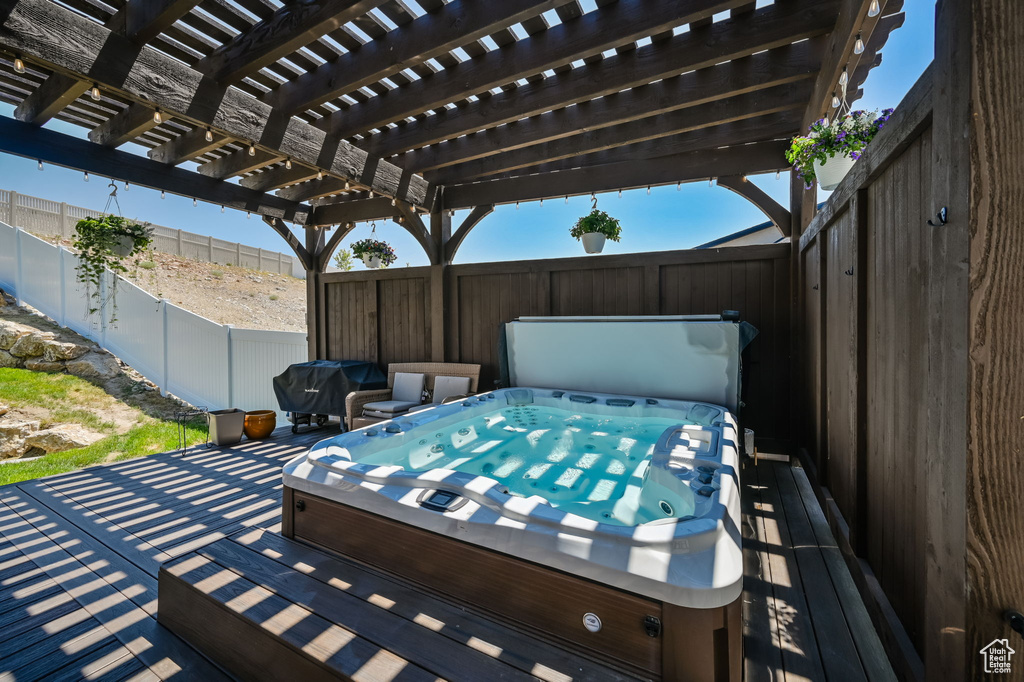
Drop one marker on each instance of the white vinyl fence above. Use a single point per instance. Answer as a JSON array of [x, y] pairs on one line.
[[53, 218], [201, 362]]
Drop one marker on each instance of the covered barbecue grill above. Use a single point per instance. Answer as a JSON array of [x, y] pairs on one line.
[[316, 390]]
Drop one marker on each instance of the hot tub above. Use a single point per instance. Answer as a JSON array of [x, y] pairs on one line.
[[630, 491]]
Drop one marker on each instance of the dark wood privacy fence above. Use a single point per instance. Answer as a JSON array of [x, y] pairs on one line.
[[454, 313]]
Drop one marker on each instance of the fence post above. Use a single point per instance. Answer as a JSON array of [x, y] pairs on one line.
[[280, 262], [230, 365], [209, 245], [238, 253], [259, 262], [181, 251], [63, 282], [63, 220], [12, 209], [103, 308], [166, 379], [19, 288]]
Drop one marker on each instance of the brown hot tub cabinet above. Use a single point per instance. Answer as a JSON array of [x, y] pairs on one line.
[[648, 638]]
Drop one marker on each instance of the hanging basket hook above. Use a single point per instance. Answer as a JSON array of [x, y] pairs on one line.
[[593, 198]]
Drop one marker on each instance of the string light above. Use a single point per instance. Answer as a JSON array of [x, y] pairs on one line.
[[825, 121], [620, 193], [163, 195], [319, 174], [40, 164], [451, 213], [835, 101], [221, 209], [252, 149], [394, 202], [158, 117], [566, 198], [401, 220], [209, 135], [194, 202], [679, 186], [371, 193], [126, 185], [95, 93], [873, 9], [19, 65], [778, 174], [858, 46], [85, 176], [542, 203], [248, 215], [348, 185], [288, 163], [711, 182], [648, 190], [844, 78], [517, 203]]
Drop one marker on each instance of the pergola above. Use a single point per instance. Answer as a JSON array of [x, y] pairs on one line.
[[327, 113]]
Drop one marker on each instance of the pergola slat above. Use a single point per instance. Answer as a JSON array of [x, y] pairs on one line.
[[275, 178], [134, 120], [187, 146], [144, 20], [50, 98], [428, 36], [70, 43], [767, 28], [288, 29], [754, 158], [34, 142], [238, 162], [590, 34]]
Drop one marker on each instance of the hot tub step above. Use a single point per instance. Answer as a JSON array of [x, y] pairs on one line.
[[265, 607]]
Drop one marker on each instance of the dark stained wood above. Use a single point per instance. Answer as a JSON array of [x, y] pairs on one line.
[[50, 98], [143, 21], [239, 162], [304, 256], [589, 34], [76, 46], [538, 598], [125, 126], [431, 35], [475, 216], [758, 197], [188, 146], [755, 158], [276, 178], [24, 139], [359, 210], [293, 26], [681, 104]]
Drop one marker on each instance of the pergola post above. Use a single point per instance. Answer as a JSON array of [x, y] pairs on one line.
[[440, 234], [315, 323]]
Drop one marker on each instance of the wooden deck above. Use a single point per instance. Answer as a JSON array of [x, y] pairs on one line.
[[80, 553]]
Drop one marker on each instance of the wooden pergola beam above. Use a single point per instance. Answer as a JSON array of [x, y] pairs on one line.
[[143, 20], [590, 34], [747, 131], [50, 98], [187, 146], [428, 36], [34, 142], [69, 43], [125, 126], [289, 28], [238, 163], [300, 251], [770, 27], [779, 216], [276, 178], [699, 165], [352, 212], [711, 121], [312, 189], [762, 83]]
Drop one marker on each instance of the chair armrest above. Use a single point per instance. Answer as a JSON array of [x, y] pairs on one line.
[[355, 400]]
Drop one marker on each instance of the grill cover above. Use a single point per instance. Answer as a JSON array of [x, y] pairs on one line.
[[320, 386]]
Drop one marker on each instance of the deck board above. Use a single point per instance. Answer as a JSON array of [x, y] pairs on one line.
[[80, 552]]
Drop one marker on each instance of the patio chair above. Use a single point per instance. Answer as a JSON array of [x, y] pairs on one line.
[[448, 388]]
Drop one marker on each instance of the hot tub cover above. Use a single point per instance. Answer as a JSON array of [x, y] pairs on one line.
[[320, 386]]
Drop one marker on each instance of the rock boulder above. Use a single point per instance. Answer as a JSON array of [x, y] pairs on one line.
[[44, 366], [57, 351], [94, 366], [62, 437], [32, 345], [8, 360], [10, 332]]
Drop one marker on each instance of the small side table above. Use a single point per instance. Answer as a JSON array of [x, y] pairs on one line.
[[183, 417]]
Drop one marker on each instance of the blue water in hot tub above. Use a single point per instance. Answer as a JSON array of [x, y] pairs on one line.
[[591, 465]]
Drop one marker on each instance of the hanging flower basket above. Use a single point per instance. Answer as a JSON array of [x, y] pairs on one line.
[[594, 228], [103, 244], [827, 153], [374, 253]]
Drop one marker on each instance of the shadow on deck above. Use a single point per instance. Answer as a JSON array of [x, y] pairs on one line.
[[80, 553]]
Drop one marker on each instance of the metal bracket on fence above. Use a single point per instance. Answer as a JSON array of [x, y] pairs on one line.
[[942, 216]]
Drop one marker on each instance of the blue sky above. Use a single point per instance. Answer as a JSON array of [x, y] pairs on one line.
[[665, 219]]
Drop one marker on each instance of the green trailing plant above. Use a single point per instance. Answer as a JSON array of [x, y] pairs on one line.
[[372, 247], [103, 244], [597, 221]]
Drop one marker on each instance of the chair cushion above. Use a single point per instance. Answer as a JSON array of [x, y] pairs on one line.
[[382, 415], [408, 387], [446, 387], [425, 406], [389, 407]]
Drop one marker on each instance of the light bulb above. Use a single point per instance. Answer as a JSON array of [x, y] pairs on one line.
[[648, 190], [620, 193], [567, 198], [451, 213], [252, 150], [711, 182], [679, 186], [371, 193], [873, 9], [209, 135], [778, 174], [319, 174], [194, 202], [248, 215], [40, 164], [858, 46], [844, 78], [347, 185], [85, 176], [221, 209], [126, 185], [393, 202], [163, 195], [401, 220], [19, 66], [288, 163], [95, 93], [835, 101], [825, 121], [158, 117], [542, 203]]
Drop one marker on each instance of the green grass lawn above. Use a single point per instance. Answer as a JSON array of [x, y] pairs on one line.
[[69, 399]]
